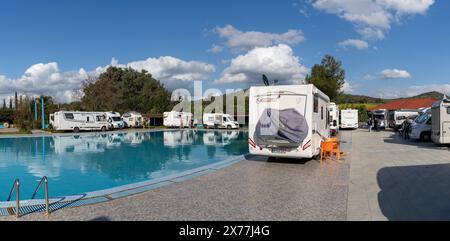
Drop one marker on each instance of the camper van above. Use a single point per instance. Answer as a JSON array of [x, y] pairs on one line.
[[381, 117], [349, 119], [79, 121], [115, 120], [421, 127], [334, 118], [219, 121], [177, 119], [288, 121], [396, 118], [441, 122], [133, 119]]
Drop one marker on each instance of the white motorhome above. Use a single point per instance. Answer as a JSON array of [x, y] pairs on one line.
[[440, 133], [349, 119], [178, 138], [222, 138], [79, 121], [133, 119], [381, 117], [177, 119], [421, 127], [396, 118], [334, 118], [288, 121], [220, 121], [115, 120]]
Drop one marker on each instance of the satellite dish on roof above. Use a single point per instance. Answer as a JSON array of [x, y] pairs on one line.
[[265, 80]]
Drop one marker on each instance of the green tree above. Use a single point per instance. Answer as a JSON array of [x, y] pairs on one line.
[[16, 101], [125, 90], [4, 104], [329, 77], [10, 104]]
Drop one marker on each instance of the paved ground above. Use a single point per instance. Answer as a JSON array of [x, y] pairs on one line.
[[383, 178], [393, 179]]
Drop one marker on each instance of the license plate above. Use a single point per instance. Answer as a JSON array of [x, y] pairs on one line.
[[279, 151]]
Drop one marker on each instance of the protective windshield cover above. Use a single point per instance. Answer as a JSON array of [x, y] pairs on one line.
[[281, 128]]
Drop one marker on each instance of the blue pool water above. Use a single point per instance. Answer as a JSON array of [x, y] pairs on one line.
[[92, 162]]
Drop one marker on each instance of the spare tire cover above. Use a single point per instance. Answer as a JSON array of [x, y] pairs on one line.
[[285, 127]]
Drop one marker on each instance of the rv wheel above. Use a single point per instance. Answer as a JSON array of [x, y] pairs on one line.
[[104, 129], [426, 137], [76, 130], [229, 127]]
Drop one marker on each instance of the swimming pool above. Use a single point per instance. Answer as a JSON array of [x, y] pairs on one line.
[[76, 164]]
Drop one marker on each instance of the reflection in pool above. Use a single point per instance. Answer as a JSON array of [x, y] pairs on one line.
[[85, 163]]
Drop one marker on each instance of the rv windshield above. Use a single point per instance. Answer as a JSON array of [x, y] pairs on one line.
[[422, 119], [116, 119]]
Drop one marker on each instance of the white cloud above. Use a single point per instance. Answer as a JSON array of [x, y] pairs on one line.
[[355, 43], [278, 62], [369, 77], [238, 40], [395, 74], [47, 79], [215, 49], [372, 18], [349, 88]]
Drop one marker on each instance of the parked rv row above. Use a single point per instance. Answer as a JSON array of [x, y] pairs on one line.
[[210, 121], [94, 121], [430, 124], [342, 119]]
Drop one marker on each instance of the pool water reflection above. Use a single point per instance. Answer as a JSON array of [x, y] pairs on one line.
[[85, 163]]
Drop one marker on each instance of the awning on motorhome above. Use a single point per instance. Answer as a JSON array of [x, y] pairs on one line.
[[406, 104]]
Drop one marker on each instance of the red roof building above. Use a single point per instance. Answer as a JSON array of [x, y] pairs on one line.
[[406, 104]]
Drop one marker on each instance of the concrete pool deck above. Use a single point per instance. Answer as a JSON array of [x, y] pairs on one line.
[[383, 178]]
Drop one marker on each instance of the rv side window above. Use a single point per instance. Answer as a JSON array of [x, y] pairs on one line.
[[88, 119], [316, 103], [321, 113], [69, 116], [448, 110]]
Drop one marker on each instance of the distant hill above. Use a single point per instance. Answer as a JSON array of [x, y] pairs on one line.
[[362, 99], [433, 94]]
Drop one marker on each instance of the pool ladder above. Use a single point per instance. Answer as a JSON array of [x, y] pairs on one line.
[[16, 187]]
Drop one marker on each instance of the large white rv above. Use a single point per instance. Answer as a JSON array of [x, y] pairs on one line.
[[177, 119], [381, 117], [334, 118], [133, 119], [115, 120], [421, 127], [441, 122], [349, 119], [220, 121], [288, 121], [79, 121], [396, 118]]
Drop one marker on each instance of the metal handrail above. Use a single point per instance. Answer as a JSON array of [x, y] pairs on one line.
[[44, 180], [16, 186]]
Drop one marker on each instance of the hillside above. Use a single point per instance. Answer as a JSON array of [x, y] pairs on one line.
[[362, 99]]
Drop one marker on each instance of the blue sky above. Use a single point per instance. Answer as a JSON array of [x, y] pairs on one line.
[[388, 48]]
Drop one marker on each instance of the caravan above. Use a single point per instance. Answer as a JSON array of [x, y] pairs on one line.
[[349, 119], [177, 119], [220, 121], [441, 122], [288, 121], [79, 121], [396, 118], [421, 127], [115, 120], [334, 118], [133, 119]]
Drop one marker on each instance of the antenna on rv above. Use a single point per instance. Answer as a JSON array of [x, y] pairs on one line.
[[265, 80]]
